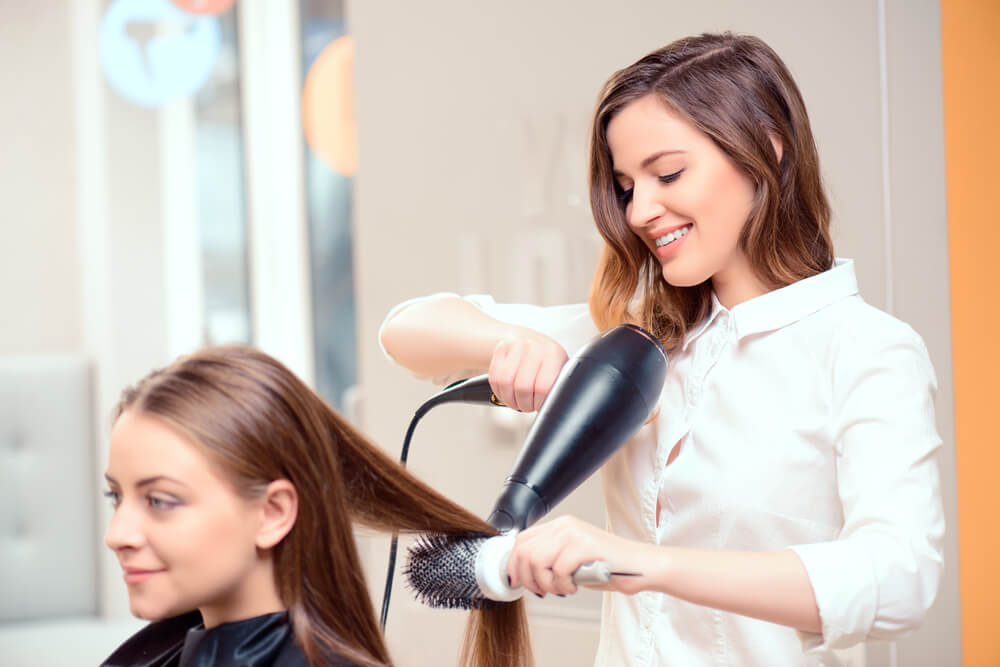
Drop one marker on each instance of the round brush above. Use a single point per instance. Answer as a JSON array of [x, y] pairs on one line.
[[470, 572]]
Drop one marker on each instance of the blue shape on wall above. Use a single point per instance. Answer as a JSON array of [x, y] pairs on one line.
[[153, 52]]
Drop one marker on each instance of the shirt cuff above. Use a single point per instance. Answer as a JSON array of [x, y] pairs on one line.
[[846, 593]]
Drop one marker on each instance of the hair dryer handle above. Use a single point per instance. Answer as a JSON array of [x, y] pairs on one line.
[[471, 390]]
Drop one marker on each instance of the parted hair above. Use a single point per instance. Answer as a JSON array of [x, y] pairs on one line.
[[736, 90]]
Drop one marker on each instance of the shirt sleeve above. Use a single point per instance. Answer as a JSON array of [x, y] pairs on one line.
[[569, 325], [878, 580]]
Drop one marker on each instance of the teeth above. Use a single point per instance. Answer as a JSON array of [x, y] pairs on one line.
[[672, 236]]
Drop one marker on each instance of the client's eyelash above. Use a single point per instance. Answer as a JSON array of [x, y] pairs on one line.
[[114, 497], [161, 504]]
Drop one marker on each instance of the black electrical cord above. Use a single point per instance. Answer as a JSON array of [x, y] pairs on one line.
[[395, 536], [474, 390]]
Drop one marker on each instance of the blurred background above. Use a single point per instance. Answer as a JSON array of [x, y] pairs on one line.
[[282, 172]]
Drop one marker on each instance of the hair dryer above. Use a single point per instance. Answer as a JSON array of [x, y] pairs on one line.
[[601, 398]]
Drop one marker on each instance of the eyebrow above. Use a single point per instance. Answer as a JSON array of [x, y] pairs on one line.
[[651, 159], [147, 480]]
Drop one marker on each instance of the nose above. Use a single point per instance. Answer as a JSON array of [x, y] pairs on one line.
[[125, 529], [645, 206]]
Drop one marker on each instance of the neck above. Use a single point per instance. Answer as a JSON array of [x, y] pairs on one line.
[[737, 283]]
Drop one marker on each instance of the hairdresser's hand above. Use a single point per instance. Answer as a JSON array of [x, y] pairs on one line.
[[523, 370], [546, 556]]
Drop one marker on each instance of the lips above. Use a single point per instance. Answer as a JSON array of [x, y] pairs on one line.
[[136, 575]]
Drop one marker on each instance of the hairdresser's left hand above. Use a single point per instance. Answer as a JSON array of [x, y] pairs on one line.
[[546, 556]]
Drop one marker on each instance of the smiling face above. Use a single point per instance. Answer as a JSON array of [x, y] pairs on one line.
[[684, 198], [184, 537]]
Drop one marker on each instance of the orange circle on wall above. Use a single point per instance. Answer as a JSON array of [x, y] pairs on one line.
[[205, 6], [328, 107]]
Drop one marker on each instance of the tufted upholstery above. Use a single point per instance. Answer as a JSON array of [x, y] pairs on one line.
[[48, 527], [49, 533]]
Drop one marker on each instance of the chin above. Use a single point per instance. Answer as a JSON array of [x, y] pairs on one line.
[[144, 614], [149, 611], [679, 277]]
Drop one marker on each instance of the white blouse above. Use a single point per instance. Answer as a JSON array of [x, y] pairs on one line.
[[803, 419]]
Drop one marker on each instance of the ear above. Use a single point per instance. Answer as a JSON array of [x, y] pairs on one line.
[[776, 144], [279, 509]]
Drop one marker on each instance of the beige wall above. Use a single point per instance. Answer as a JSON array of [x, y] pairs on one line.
[[918, 279], [471, 121], [81, 256], [38, 242]]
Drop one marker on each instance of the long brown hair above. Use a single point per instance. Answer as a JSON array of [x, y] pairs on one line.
[[259, 423], [736, 90]]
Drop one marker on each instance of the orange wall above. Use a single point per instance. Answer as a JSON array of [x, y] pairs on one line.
[[971, 70]]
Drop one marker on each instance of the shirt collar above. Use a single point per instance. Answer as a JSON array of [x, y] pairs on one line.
[[781, 307], [699, 329]]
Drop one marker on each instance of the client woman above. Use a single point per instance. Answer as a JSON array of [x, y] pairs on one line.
[[234, 488]]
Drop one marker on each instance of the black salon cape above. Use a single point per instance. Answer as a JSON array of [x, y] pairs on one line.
[[182, 641]]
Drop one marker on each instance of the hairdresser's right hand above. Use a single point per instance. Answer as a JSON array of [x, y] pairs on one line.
[[523, 370]]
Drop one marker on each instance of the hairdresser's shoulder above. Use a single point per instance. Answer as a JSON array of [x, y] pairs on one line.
[[862, 336], [859, 323]]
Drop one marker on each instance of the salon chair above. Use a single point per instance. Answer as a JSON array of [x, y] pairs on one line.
[[50, 537]]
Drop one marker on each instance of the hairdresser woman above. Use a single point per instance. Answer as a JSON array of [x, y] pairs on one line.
[[785, 501]]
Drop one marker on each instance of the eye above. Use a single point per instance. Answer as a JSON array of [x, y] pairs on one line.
[[161, 504], [113, 497], [670, 178]]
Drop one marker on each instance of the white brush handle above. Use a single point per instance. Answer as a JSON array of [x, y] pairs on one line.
[[491, 570]]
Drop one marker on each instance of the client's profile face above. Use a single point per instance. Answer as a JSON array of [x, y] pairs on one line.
[[185, 539]]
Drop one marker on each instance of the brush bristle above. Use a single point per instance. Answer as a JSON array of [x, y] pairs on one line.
[[441, 571]]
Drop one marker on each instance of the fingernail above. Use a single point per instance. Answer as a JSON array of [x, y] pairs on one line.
[[508, 580], [539, 595], [560, 595]]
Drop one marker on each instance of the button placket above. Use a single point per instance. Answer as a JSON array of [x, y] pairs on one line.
[[706, 353], [718, 342], [720, 336]]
